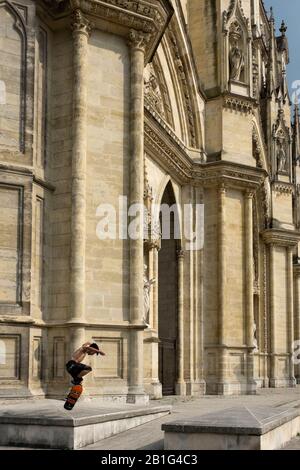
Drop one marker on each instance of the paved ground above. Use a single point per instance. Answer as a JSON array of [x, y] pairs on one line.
[[150, 437]]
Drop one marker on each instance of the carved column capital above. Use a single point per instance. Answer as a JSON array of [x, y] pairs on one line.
[[249, 194], [80, 24], [222, 189], [138, 40], [180, 254]]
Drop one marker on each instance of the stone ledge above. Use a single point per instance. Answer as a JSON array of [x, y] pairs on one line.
[[256, 422], [242, 428], [47, 424], [73, 421]]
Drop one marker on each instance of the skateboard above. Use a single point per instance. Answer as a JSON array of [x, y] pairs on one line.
[[73, 396]]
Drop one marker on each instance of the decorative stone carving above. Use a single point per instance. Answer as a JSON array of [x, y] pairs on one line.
[[255, 343], [147, 286], [256, 149], [236, 53], [238, 104], [80, 24], [237, 59], [152, 232], [186, 93], [266, 202], [255, 73], [281, 146], [284, 188], [152, 91], [138, 40], [166, 153], [281, 156]]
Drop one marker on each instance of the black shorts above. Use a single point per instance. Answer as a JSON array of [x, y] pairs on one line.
[[74, 368]]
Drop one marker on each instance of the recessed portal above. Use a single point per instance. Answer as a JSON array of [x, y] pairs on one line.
[[168, 302]]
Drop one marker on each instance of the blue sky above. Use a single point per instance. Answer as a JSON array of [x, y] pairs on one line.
[[289, 10]]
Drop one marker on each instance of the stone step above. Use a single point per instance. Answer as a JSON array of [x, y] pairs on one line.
[[49, 425]]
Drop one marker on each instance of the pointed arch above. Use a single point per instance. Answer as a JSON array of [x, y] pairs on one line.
[[165, 184], [179, 93]]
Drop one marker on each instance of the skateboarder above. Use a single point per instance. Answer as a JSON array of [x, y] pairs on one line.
[[75, 367]]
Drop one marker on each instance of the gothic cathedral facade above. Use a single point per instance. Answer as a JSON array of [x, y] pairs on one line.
[[159, 103]]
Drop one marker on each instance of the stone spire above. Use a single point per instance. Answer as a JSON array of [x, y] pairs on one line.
[[296, 134], [282, 42]]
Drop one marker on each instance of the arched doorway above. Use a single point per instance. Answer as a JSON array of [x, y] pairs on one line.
[[168, 298]]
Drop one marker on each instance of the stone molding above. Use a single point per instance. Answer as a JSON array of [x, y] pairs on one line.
[[150, 17], [168, 154], [284, 188], [280, 237], [240, 104], [183, 79], [173, 157], [233, 175]]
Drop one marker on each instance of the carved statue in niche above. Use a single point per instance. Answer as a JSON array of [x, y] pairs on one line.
[[255, 343], [281, 156], [147, 286], [236, 53]]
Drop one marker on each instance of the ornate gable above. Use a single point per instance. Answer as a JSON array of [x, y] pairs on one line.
[[237, 50]]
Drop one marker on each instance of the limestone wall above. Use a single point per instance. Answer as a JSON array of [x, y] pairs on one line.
[[60, 171], [235, 272], [107, 268]]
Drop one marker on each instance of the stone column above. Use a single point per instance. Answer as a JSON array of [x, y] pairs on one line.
[[180, 384], [222, 286], [152, 340], [272, 318], [249, 269], [155, 289], [290, 306], [251, 384], [137, 43], [297, 314], [199, 386], [81, 30]]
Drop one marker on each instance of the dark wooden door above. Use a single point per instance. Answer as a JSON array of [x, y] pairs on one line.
[[167, 365]]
